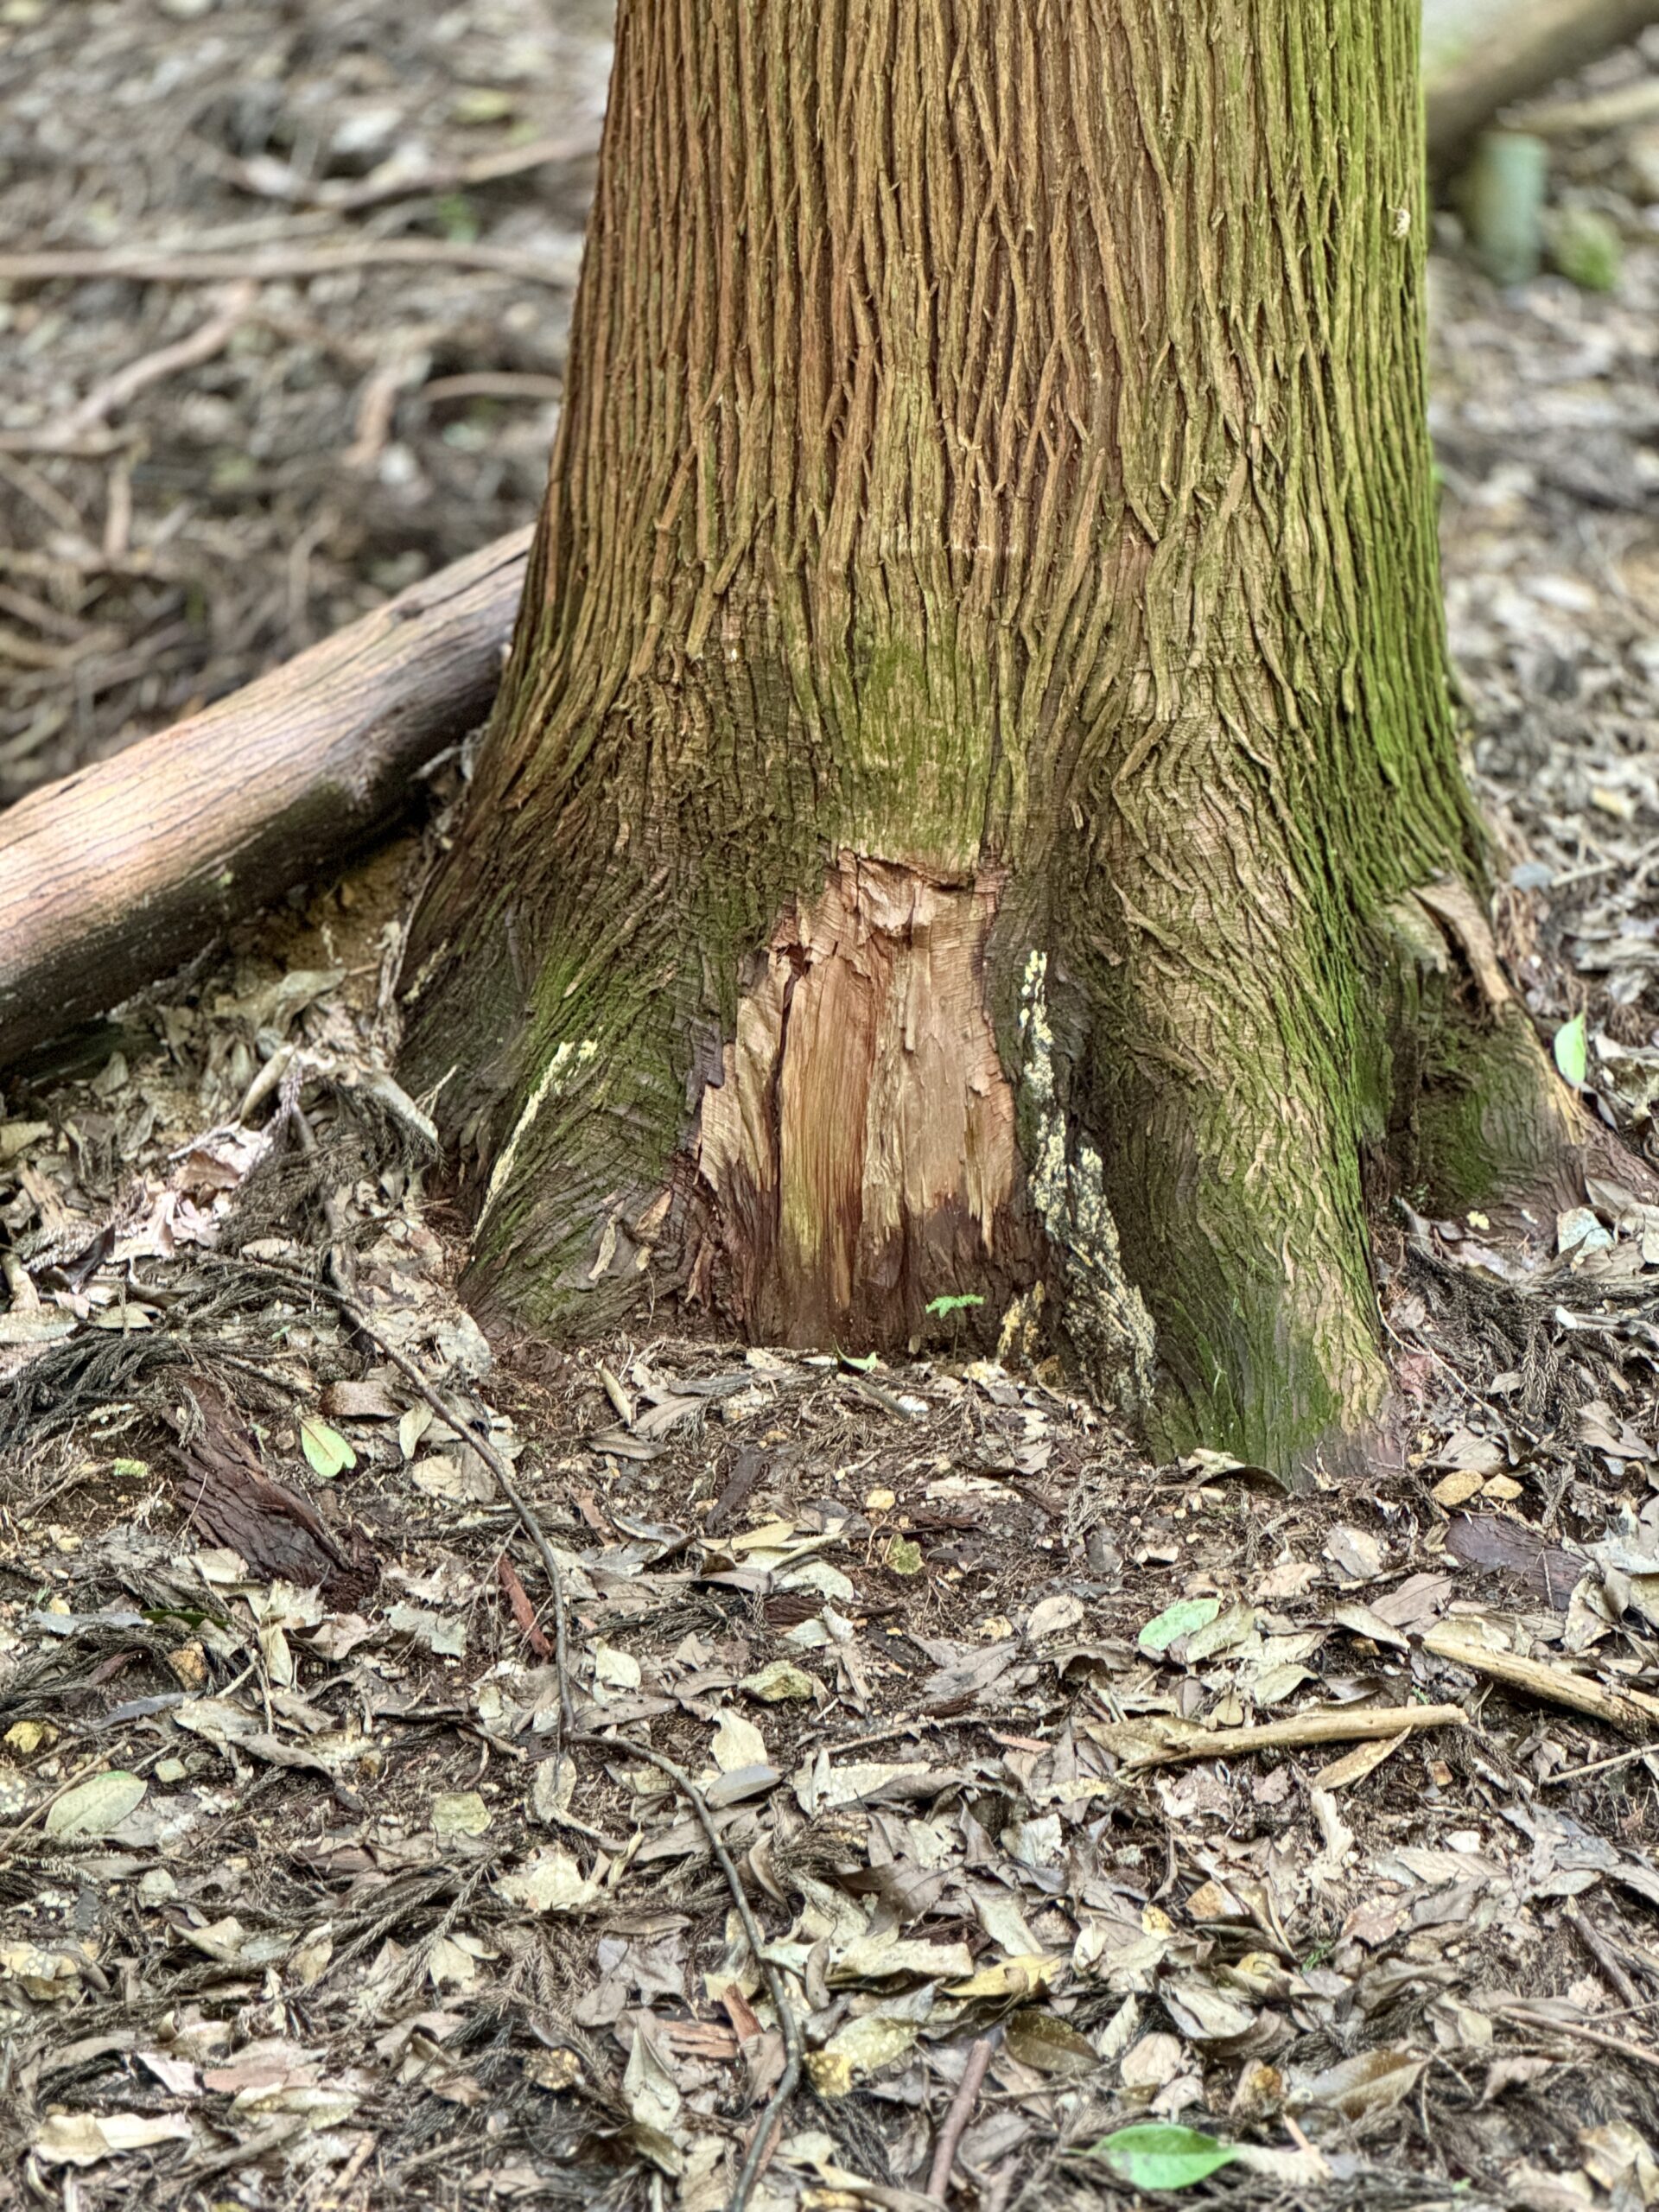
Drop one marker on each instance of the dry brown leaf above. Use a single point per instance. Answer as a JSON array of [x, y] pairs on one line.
[[1353, 1766]]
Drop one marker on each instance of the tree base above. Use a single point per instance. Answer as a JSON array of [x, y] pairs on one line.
[[870, 1161]]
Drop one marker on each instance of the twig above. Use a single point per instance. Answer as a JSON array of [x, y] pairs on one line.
[[956, 2120], [479, 1442], [1137, 1745], [377, 404], [759, 2141], [208, 339], [1630, 1711], [272, 179], [1523, 2016], [1601, 1951], [1601, 1766], [142, 266]]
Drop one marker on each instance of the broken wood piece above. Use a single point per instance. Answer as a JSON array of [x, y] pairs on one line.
[[1630, 1711], [1156, 1742], [111, 876], [1496, 1544], [232, 1500]]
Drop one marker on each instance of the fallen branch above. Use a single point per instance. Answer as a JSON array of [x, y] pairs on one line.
[[1569, 1774], [1510, 53], [156, 265], [1630, 1711], [1161, 1743], [115, 874], [1522, 2015]]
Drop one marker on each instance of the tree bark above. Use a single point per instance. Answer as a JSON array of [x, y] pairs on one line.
[[979, 716], [115, 874]]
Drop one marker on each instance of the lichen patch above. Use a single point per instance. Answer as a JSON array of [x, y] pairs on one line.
[[1106, 1316]]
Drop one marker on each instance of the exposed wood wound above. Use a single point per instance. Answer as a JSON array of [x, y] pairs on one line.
[[860, 1146]]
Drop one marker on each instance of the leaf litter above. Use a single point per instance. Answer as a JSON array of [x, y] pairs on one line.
[[1196, 1828], [1091, 1825]]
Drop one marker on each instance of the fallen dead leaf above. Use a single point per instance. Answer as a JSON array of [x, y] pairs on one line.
[[83, 2139]]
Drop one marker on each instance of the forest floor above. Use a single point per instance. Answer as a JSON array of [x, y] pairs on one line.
[[302, 1904]]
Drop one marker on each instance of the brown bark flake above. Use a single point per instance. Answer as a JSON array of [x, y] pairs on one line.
[[232, 1500]]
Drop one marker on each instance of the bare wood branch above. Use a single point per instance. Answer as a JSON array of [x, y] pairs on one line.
[[956, 2120], [1155, 1742], [1515, 51], [1631, 1710], [113, 876]]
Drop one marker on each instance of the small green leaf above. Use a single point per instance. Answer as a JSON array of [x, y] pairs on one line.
[[457, 217], [864, 1365], [953, 1302], [1177, 1620], [1571, 1056], [325, 1447], [93, 1808], [162, 1614], [1151, 2157], [904, 1557]]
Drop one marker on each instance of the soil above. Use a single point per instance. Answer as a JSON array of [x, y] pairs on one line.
[[316, 1887]]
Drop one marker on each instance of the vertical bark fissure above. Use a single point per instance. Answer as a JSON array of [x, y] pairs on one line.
[[993, 443]]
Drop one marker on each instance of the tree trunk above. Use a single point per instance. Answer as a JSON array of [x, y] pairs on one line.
[[979, 715]]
